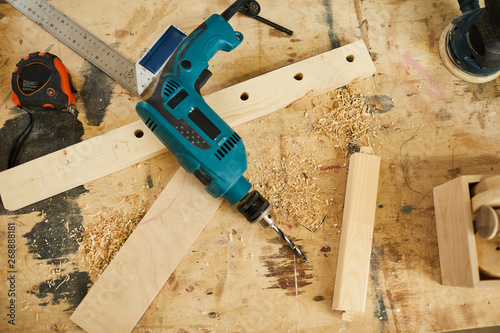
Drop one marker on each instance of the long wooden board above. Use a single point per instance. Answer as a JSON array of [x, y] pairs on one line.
[[149, 256], [351, 280], [126, 299], [102, 155]]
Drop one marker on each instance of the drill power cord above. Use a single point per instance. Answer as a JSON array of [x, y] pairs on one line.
[[19, 141], [40, 81]]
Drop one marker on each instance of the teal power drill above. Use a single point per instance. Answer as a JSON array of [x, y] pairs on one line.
[[201, 141]]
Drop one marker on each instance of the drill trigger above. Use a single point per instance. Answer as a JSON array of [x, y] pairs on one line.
[[202, 79]]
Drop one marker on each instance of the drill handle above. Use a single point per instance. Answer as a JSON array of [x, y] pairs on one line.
[[468, 5], [189, 62]]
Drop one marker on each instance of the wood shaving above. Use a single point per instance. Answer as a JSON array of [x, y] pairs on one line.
[[343, 117], [58, 276], [108, 230], [290, 184]]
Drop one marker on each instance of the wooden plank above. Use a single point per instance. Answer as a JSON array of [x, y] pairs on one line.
[[353, 264], [86, 161], [149, 256], [276, 89], [123, 306], [455, 232]]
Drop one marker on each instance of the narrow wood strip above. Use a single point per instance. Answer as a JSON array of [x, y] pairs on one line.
[[102, 155], [351, 280], [149, 256]]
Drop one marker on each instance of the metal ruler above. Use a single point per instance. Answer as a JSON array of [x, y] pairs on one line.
[[131, 76]]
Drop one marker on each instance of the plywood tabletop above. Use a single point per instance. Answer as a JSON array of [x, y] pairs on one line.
[[430, 127]]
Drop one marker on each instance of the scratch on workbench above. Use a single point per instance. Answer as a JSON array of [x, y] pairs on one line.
[[286, 275], [416, 66], [402, 167], [296, 293], [363, 23]]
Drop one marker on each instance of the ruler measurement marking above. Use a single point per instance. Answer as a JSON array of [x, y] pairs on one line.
[[82, 42]]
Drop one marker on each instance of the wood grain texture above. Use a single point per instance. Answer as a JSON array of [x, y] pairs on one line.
[[455, 232], [99, 156], [351, 280], [149, 256]]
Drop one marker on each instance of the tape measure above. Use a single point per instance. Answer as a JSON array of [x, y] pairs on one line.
[[40, 80], [81, 41], [136, 77]]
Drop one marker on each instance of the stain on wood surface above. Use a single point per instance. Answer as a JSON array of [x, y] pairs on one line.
[[95, 93], [284, 273]]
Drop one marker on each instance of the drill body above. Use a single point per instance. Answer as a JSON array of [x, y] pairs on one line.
[[179, 116], [200, 140]]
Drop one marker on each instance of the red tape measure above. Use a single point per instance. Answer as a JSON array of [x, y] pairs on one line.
[[41, 81]]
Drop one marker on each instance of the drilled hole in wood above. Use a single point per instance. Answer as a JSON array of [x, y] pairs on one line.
[[139, 133], [244, 96], [350, 58], [298, 76]]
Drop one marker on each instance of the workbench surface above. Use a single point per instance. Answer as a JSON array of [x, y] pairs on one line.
[[430, 128]]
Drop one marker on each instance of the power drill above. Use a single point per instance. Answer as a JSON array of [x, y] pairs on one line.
[[470, 45], [201, 141]]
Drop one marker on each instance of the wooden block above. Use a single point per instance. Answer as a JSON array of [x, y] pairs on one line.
[[102, 155], [149, 256], [351, 280], [455, 232]]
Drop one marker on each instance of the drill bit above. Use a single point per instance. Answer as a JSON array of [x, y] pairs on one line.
[[290, 243], [257, 209], [267, 220]]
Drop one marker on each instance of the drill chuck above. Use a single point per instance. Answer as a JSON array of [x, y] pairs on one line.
[[253, 206], [256, 208]]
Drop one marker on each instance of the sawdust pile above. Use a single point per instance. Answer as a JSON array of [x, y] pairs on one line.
[[107, 231], [343, 117], [290, 184]]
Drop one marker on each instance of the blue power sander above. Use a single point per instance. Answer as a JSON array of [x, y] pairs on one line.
[[470, 45]]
